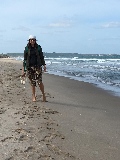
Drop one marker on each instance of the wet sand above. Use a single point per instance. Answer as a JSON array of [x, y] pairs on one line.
[[79, 121]]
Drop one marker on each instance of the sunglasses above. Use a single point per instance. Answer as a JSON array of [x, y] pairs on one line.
[[32, 39]]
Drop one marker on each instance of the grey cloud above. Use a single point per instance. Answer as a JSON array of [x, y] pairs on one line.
[[111, 25], [61, 24], [21, 28], [105, 38]]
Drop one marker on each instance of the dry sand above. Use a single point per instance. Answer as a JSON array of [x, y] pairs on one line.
[[79, 121]]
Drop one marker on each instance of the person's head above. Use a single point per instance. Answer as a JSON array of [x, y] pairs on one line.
[[32, 40]]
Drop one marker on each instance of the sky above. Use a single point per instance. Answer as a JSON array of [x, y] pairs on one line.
[[61, 26]]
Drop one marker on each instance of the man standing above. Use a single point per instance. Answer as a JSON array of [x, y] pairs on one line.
[[33, 62]]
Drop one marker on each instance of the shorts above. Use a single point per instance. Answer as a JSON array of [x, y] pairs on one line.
[[35, 75]]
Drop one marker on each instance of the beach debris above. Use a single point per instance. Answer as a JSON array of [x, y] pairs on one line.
[[23, 80], [7, 138], [29, 149], [10, 158]]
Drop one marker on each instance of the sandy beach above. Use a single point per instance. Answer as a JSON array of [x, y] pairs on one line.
[[78, 122]]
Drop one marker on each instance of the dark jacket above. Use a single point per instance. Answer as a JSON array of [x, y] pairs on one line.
[[37, 52]]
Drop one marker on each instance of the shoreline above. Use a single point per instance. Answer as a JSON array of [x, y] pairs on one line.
[[109, 88], [100, 86], [79, 121]]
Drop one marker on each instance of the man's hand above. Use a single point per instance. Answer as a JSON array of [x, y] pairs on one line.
[[23, 73], [44, 68]]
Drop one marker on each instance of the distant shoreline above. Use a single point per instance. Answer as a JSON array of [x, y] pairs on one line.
[[4, 55]]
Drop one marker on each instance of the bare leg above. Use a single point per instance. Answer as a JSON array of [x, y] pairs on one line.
[[42, 90], [33, 93]]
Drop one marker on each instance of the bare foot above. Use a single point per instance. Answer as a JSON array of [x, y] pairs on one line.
[[34, 99], [44, 98]]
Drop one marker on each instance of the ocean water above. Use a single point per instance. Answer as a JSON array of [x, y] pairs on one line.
[[102, 70]]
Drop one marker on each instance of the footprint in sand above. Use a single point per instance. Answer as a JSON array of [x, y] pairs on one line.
[[2, 110]]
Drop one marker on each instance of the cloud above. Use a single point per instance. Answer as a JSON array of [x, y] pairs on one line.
[[104, 39], [21, 28], [111, 25], [1, 36], [61, 24], [2, 30]]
